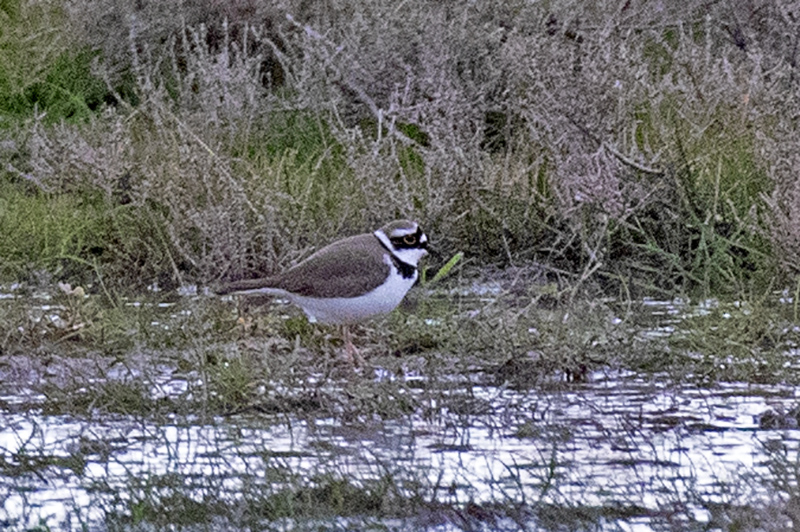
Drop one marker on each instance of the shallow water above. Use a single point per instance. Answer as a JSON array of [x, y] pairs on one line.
[[619, 440]]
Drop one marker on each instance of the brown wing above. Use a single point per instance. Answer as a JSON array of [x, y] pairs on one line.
[[346, 268]]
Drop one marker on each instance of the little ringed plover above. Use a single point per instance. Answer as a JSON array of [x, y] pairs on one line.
[[350, 280]]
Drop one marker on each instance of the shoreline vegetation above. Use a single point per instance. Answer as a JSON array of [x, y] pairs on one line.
[[640, 151]]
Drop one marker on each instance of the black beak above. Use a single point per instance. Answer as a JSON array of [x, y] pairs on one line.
[[432, 251]]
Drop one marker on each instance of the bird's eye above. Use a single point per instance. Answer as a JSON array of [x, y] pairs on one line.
[[410, 239]]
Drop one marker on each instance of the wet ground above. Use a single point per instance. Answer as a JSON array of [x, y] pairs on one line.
[[429, 448]]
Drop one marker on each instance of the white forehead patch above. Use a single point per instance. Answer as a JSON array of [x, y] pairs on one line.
[[403, 231]]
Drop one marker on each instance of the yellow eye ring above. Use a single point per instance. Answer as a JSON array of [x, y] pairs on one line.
[[410, 239]]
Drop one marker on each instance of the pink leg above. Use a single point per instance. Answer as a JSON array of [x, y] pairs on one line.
[[352, 353]]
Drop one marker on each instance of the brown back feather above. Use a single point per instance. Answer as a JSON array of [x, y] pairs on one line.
[[345, 268]]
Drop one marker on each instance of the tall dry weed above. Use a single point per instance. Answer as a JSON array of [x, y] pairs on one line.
[[606, 137]]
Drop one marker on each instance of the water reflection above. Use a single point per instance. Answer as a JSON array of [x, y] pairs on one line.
[[618, 440], [613, 441]]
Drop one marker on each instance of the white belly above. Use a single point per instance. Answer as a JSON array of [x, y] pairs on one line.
[[343, 310]]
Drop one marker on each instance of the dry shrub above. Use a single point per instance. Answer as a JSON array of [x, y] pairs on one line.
[[781, 217], [135, 32], [627, 109], [610, 137]]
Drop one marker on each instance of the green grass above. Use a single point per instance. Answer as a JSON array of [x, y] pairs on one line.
[[736, 343], [80, 237], [297, 160], [69, 91], [50, 232], [700, 234], [42, 71]]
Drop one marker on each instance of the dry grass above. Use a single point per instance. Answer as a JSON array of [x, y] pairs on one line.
[[644, 146]]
